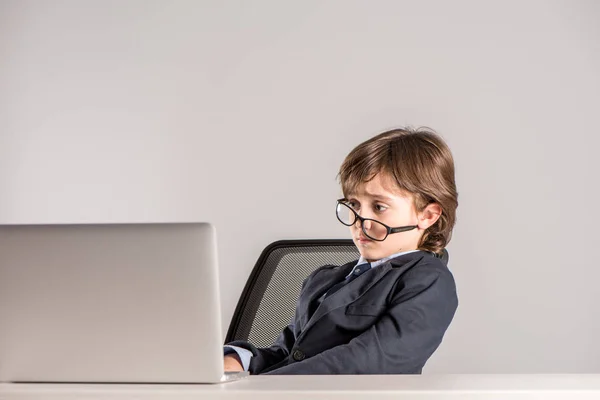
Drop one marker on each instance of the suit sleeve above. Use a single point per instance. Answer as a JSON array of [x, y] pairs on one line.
[[263, 358], [402, 340]]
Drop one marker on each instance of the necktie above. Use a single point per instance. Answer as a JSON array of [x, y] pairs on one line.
[[358, 271]]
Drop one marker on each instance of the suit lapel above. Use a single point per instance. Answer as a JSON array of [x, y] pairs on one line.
[[348, 293], [327, 279], [355, 289]]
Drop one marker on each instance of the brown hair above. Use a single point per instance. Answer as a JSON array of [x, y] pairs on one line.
[[420, 163]]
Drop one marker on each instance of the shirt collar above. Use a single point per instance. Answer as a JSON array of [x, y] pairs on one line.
[[377, 263]]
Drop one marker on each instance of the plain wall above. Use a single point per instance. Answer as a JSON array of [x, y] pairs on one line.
[[240, 113]]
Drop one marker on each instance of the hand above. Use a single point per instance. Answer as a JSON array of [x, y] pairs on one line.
[[232, 363]]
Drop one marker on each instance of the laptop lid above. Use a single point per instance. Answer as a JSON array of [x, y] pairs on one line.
[[110, 303]]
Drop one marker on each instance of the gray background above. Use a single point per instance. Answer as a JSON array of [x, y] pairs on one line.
[[240, 113]]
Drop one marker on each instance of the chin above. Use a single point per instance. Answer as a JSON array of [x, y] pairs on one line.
[[366, 252]]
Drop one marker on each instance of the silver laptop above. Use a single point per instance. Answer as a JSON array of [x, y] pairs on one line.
[[127, 303]]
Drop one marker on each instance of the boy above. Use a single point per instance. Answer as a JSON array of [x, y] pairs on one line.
[[387, 312]]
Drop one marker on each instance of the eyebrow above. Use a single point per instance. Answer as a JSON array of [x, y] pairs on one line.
[[375, 196]]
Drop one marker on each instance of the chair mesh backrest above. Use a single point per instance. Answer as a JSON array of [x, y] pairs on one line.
[[269, 299]]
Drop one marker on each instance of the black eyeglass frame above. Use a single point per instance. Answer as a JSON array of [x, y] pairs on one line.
[[362, 220]]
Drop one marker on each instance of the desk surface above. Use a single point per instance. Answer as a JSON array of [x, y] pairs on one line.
[[463, 387]]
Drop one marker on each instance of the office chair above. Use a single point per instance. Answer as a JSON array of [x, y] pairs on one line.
[[268, 301]]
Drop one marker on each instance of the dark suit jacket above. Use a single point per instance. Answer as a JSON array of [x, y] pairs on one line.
[[389, 320]]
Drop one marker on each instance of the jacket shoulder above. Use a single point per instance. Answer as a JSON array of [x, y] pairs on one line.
[[427, 272], [426, 264]]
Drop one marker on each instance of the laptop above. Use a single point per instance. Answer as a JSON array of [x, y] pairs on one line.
[[110, 303]]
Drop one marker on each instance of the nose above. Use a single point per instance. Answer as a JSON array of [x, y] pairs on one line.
[[367, 225]]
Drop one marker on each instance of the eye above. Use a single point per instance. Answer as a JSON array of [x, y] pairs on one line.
[[352, 204], [380, 207]]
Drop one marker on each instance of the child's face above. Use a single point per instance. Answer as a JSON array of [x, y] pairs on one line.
[[379, 199]]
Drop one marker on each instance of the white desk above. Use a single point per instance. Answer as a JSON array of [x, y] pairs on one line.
[[373, 387]]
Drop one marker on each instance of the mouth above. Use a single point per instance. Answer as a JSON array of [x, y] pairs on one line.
[[362, 239]]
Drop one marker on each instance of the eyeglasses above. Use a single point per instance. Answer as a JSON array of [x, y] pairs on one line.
[[377, 231]]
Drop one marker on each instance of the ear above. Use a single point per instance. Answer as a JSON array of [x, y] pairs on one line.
[[429, 215]]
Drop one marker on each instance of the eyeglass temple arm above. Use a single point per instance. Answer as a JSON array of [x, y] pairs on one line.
[[403, 228]]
